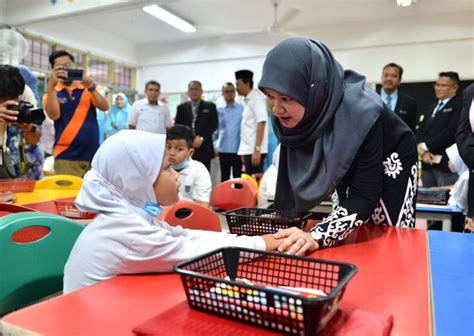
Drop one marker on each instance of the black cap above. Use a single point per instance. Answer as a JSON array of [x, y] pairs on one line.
[[244, 74]]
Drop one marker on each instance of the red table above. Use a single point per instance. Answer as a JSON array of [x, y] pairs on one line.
[[392, 278]]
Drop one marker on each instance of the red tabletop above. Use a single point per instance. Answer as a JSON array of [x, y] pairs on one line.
[[392, 278]]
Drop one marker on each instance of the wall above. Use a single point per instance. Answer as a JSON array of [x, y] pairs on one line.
[[422, 46]]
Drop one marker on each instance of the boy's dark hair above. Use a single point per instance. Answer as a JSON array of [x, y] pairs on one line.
[[152, 82], [12, 83], [394, 65], [454, 76], [181, 132], [59, 53]]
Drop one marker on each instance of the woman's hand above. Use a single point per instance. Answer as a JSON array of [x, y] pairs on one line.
[[295, 241]]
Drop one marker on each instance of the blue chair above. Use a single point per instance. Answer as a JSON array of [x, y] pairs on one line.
[[34, 248]]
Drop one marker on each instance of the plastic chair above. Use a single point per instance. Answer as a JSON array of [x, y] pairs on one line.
[[7, 209], [234, 194], [191, 216], [60, 182], [251, 179], [34, 248]]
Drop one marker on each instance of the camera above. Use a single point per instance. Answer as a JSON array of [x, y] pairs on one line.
[[28, 114]]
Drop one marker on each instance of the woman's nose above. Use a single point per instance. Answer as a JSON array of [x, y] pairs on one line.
[[277, 107]]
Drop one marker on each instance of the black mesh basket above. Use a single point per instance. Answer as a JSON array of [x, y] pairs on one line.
[[433, 196], [265, 288], [256, 222]]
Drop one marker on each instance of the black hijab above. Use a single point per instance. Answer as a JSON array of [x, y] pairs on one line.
[[339, 112]]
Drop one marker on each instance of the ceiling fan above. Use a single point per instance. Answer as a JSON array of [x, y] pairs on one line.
[[277, 27]]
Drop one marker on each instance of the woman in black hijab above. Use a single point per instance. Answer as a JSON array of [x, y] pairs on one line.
[[338, 139]]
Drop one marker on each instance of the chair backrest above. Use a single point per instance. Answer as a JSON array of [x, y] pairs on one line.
[[191, 216], [60, 182], [34, 248], [7, 209], [250, 178], [233, 194]]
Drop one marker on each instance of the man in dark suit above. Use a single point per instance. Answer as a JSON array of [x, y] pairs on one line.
[[436, 131], [465, 142], [402, 104], [201, 116]]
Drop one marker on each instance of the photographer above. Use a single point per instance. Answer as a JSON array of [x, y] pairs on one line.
[[18, 138], [71, 102]]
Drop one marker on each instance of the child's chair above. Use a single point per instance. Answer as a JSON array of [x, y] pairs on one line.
[[250, 178], [191, 216], [233, 194], [7, 209], [34, 248], [60, 182]]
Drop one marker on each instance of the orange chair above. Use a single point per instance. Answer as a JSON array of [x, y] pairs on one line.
[[234, 194], [191, 216]]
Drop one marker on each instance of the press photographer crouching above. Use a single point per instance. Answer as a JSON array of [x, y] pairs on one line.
[[19, 127]]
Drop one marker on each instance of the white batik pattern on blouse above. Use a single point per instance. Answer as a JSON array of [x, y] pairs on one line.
[[406, 216], [337, 226], [334, 200], [392, 165]]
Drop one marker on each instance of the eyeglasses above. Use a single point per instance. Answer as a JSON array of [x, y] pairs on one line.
[[68, 65]]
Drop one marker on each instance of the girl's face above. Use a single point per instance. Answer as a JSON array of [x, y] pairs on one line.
[[119, 101], [286, 109], [167, 184]]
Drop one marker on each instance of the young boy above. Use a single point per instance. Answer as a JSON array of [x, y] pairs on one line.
[[131, 177], [194, 177]]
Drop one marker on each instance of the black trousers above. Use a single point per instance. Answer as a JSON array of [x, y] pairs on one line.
[[249, 169], [230, 161]]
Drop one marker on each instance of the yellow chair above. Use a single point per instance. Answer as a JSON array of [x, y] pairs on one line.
[[251, 179], [60, 182]]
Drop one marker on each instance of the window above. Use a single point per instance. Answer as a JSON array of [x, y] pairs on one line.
[[38, 54], [123, 76], [98, 70]]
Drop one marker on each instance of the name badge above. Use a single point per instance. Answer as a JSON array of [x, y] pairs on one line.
[[447, 110], [62, 100], [205, 111], [403, 112]]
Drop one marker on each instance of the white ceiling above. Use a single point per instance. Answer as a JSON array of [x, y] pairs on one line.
[[101, 24]]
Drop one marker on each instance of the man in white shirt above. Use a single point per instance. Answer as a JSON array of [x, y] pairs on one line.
[[147, 114], [253, 145]]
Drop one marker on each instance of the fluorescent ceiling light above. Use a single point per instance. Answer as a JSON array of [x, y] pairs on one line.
[[405, 3], [169, 18]]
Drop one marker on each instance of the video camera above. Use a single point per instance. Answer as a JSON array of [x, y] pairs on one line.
[[28, 113]]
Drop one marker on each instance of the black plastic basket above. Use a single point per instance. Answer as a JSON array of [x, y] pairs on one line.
[[256, 222], [251, 286], [433, 196]]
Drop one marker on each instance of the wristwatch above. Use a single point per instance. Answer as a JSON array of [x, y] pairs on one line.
[[257, 148]]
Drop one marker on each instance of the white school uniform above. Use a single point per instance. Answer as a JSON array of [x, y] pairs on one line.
[[195, 182], [124, 238]]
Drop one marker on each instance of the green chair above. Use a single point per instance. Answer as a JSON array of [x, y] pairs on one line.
[[34, 248]]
